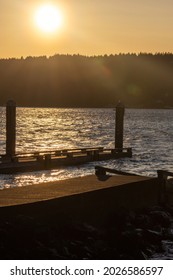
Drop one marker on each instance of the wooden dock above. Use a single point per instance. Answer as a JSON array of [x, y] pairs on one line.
[[64, 188], [26, 162], [12, 162], [91, 198]]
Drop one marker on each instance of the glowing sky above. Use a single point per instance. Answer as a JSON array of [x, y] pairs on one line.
[[90, 27]]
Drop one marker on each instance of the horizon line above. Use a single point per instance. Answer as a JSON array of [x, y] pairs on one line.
[[84, 55]]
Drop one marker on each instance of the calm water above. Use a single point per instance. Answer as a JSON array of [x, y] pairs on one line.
[[148, 132]]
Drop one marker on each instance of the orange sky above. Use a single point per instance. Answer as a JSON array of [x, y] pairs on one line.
[[90, 27]]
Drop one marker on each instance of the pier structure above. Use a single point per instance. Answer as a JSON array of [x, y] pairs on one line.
[[13, 162], [28, 162], [119, 125], [92, 198], [10, 128]]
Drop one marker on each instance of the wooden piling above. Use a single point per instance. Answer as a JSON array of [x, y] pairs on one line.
[[47, 161], [10, 128], [119, 125]]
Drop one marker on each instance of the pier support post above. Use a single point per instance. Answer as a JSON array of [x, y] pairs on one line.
[[119, 125], [47, 161], [10, 128]]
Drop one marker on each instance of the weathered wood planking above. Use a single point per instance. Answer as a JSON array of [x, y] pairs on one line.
[[67, 188]]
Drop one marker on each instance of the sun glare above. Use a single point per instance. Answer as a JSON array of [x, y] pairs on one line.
[[48, 18]]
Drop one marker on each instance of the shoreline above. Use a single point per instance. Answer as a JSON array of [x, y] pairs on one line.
[[126, 235]]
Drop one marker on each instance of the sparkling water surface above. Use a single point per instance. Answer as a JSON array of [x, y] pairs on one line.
[[148, 132]]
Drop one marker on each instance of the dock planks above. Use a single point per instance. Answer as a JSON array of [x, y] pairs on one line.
[[65, 188]]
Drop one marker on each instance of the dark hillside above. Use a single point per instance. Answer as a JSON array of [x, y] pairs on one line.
[[142, 81]]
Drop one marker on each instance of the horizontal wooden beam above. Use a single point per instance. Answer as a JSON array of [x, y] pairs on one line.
[[100, 170]]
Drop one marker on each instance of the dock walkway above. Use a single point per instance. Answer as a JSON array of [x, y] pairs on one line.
[[91, 199], [67, 188]]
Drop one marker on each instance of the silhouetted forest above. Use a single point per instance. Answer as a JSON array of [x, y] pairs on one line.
[[139, 80]]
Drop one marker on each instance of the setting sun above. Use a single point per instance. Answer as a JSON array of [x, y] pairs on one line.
[[48, 18]]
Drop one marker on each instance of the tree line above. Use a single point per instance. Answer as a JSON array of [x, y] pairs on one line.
[[141, 80]]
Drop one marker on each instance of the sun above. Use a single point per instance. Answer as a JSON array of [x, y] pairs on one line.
[[48, 18]]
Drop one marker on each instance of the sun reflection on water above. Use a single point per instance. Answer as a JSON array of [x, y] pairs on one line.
[[148, 132]]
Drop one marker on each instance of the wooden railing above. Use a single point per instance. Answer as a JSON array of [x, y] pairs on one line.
[[54, 159], [41, 155], [100, 170]]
